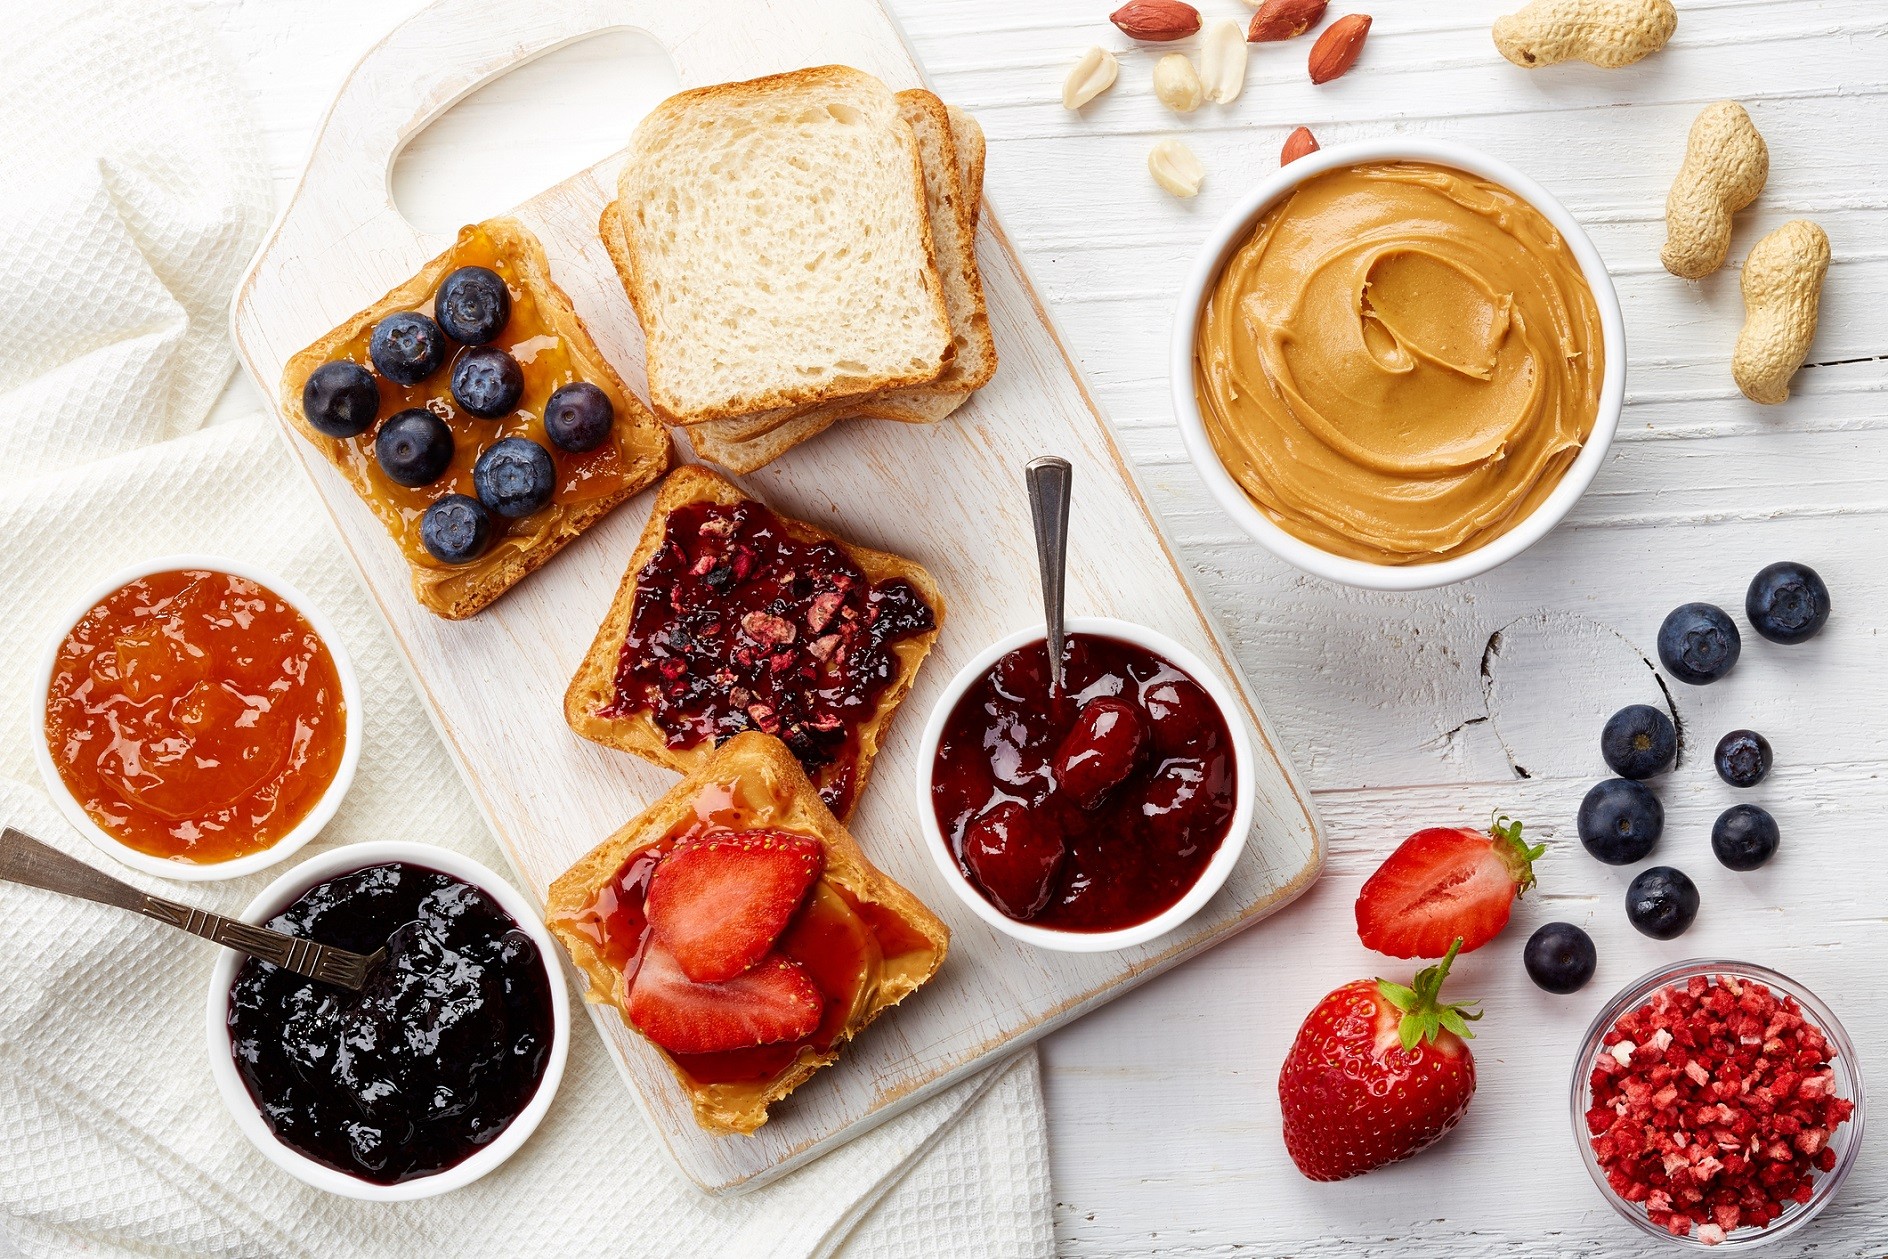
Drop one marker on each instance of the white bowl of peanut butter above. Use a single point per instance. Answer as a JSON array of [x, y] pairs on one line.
[[1398, 363]]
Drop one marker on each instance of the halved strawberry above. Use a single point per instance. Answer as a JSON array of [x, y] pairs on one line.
[[774, 1000], [1443, 884], [720, 901]]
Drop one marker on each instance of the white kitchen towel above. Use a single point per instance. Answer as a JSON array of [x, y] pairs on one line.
[[134, 195], [132, 206]]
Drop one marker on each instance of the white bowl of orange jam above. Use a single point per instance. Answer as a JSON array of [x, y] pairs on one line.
[[199, 718]]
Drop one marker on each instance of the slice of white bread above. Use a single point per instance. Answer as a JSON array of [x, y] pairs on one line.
[[779, 247], [754, 453], [950, 199], [968, 134], [750, 455], [954, 190]]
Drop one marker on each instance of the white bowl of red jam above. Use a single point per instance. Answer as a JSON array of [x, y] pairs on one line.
[[1093, 817], [444, 1063], [199, 718]]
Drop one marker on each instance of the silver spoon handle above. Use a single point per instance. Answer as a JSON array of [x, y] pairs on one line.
[[1049, 478], [27, 861]]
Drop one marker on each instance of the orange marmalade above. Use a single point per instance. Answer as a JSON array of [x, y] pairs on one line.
[[195, 716]]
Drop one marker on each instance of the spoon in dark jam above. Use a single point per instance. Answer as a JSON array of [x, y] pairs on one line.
[[27, 861], [1048, 478]]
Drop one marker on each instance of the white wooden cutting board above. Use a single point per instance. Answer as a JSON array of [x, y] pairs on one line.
[[949, 495]]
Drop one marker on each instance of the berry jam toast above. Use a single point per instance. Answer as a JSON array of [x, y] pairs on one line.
[[732, 618]]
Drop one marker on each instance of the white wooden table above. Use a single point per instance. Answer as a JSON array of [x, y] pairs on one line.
[[1437, 707]]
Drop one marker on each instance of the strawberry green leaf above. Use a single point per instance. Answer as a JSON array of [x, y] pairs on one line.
[[1515, 854], [1425, 1016]]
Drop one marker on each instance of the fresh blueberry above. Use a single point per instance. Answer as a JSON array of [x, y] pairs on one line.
[[1743, 758], [473, 305], [1787, 603], [407, 347], [578, 417], [341, 399], [413, 447], [1662, 902], [1744, 837], [1639, 741], [1560, 957], [487, 382], [514, 477], [1698, 643], [456, 529], [1620, 821]]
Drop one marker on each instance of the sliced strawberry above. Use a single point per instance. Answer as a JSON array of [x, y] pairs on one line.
[[1444, 884], [719, 902], [774, 1000], [1376, 1073]]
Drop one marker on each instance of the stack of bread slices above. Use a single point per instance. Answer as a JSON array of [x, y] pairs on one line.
[[800, 250]]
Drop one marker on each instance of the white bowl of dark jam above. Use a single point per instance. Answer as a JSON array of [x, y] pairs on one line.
[[1141, 850], [438, 1070]]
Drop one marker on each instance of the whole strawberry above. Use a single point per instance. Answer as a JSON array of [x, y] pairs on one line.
[[1377, 1073], [1445, 883]]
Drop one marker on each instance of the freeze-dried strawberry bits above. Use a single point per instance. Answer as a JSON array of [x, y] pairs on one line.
[[1715, 1102]]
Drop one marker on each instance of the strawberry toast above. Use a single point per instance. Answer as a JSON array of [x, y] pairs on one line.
[[739, 929]]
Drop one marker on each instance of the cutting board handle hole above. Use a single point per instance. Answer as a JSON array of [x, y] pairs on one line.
[[532, 126]]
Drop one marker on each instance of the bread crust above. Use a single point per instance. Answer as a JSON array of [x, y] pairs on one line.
[[967, 134], [632, 269], [745, 455], [459, 591], [593, 687], [789, 802], [971, 326]]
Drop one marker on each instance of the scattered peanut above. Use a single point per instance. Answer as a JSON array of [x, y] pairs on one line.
[[1782, 285], [1284, 19], [1175, 169], [1223, 62], [1726, 163], [1605, 33], [1300, 143], [1336, 50], [1156, 21], [1177, 83], [1092, 75]]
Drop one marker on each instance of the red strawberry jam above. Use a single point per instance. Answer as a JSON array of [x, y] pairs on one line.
[[738, 625], [1092, 809]]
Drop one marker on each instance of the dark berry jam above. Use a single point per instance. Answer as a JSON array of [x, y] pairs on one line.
[[1091, 809], [738, 625], [424, 1066]]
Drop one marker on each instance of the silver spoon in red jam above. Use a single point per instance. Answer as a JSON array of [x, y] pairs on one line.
[[1093, 806]]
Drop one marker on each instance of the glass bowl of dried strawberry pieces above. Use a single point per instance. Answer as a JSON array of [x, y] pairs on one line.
[[1717, 1104]]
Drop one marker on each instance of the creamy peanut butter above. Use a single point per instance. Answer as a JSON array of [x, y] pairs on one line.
[[1400, 363]]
